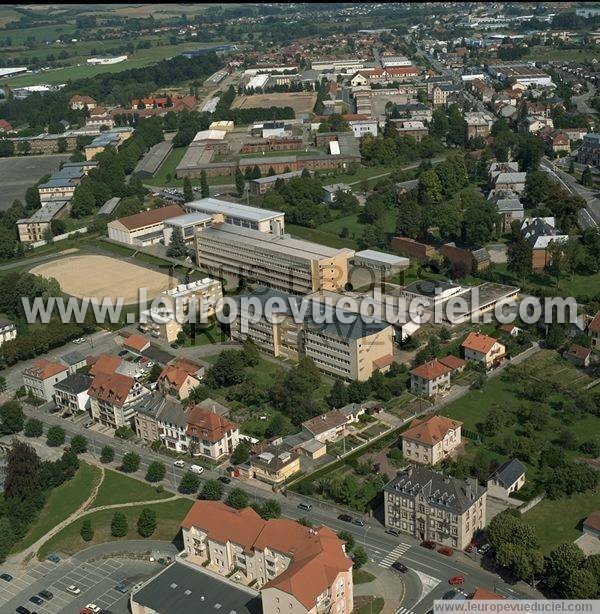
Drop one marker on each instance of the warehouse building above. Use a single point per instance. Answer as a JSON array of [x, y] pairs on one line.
[[149, 165], [144, 228]]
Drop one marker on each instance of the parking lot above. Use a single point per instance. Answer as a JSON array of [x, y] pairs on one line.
[[96, 581]]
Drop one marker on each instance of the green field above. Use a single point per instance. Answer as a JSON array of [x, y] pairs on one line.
[[169, 517], [543, 53], [62, 502], [166, 173], [119, 488]]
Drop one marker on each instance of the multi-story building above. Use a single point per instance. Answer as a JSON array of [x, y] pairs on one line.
[[71, 394], [278, 261], [114, 138], [274, 462], [180, 377], [210, 434], [8, 331], [484, 349], [78, 102], [540, 232], [142, 228], [113, 399], [429, 505], [593, 332], [352, 350], [430, 440], [430, 378], [152, 412], [589, 152], [478, 124], [297, 569], [41, 377]]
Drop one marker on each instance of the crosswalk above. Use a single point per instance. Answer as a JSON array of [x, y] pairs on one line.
[[392, 556], [404, 611]]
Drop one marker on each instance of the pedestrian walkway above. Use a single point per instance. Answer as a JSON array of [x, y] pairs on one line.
[[404, 611], [393, 556]]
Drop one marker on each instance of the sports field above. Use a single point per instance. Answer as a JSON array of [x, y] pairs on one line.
[[102, 276], [301, 102]]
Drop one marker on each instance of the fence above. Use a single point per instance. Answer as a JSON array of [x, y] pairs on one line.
[[525, 508], [66, 235]]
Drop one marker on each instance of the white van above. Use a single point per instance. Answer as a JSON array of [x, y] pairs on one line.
[[196, 469]]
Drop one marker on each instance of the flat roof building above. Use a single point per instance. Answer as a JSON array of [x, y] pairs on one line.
[[148, 166], [380, 261]]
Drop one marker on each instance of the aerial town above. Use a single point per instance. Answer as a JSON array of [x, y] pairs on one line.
[[282, 307]]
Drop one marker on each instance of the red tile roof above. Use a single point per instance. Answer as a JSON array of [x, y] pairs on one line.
[[384, 361], [593, 521], [5, 126], [317, 554], [112, 388], [431, 370], [148, 218], [430, 430], [104, 363], [453, 362], [401, 70], [81, 99], [175, 374], [478, 342], [594, 326], [578, 351], [43, 369], [136, 342], [205, 424]]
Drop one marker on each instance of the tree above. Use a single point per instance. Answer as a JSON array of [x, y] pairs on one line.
[[118, 525], [86, 531], [537, 187], [270, 509], [581, 584], [530, 149], [506, 528], [251, 352], [12, 417], [156, 471], [177, 247], [409, 219], [78, 444], [107, 454], [33, 428], [520, 257], [338, 396], [360, 557], [130, 462], [23, 477], [146, 524], [522, 561], [240, 183], [480, 221], [347, 537], [429, 189], [237, 498], [439, 124], [212, 490], [188, 192], [204, 189], [561, 563], [189, 484], [83, 202], [55, 436], [586, 177]]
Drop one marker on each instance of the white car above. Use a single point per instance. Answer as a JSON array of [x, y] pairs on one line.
[[196, 469], [94, 608], [79, 340], [179, 463], [74, 590]]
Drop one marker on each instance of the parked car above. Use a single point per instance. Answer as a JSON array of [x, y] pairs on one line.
[[78, 340], [401, 567], [179, 463], [123, 353], [46, 594], [345, 517], [484, 549], [224, 479], [93, 608], [54, 558], [393, 532], [196, 469], [37, 600], [456, 580], [22, 610], [305, 506], [88, 424], [175, 346], [74, 590], [428, 544], [455, 595], [358, 521], [446, 551], [122, 588], [6, 577]]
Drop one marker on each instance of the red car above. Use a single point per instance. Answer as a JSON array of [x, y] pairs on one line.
[[446, 551], [456, 580], [428, 544]]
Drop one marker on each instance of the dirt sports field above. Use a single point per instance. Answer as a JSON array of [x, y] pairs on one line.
[[301, 102], [101, 276]]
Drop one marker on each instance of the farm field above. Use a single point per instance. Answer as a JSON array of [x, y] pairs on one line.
[[301, 102]]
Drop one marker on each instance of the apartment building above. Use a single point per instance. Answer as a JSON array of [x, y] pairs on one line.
[[114, 138], [430, 378], [40, 378], [262, 184], [429, 505], [296, 568], [8, 331], [71, 394], [278, 261], [478, 124], [113, 399], [351, 350], [154, 410], [210, 434], [484, 349], [430, 440], [78, 102]]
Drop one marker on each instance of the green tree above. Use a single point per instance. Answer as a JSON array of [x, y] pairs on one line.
[[586, 177], [118, 525], [55, 436], [506, 528], [146, 524], [251, 352], [561, 563], [189, 484], [188, 192], [156, 471], [107, 454], [23, 476], [237, 498], [270, 509], [204, 189], [212, 490], [581, 584], [12, 417], [33, 428], [240, 183], [7, 534], [409, 219], [130, 462], [522, 561], [78, 444], [86, 531], [360, 557], [177, 247], [338, 396], [520, 257], [480, 222], [347, 537]]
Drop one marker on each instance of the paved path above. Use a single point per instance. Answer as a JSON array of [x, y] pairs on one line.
[[26, 262]]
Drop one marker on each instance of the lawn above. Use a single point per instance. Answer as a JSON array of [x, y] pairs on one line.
[[211, 335], [369, 605], [166, 173], [560, 521], [169, 516], [543, 53], [120, 488], [360, 576], [62, 502]]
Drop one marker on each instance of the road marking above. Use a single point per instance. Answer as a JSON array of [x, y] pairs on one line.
[[404, 611], [392, 556]]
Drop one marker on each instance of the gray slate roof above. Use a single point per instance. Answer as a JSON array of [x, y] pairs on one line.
[[509, 472], [74, 383]]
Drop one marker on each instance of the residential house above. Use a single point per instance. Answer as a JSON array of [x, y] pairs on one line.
[[5, 126], [136, 344], [71, 394], [152, 412], [79, 103], [40, 378], [74, 360], [591, 525], [578, 355], [589, 151], [274, 462], [430, 378], [593, 332], [510, 209], [507, 479], [210, 434], [430, 440], [330, 192], [429, 505], [180, 377], [481, 348], [8, 331], [539, 232], [326, 427], [454, 362], [297, 569], [478, 124]]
